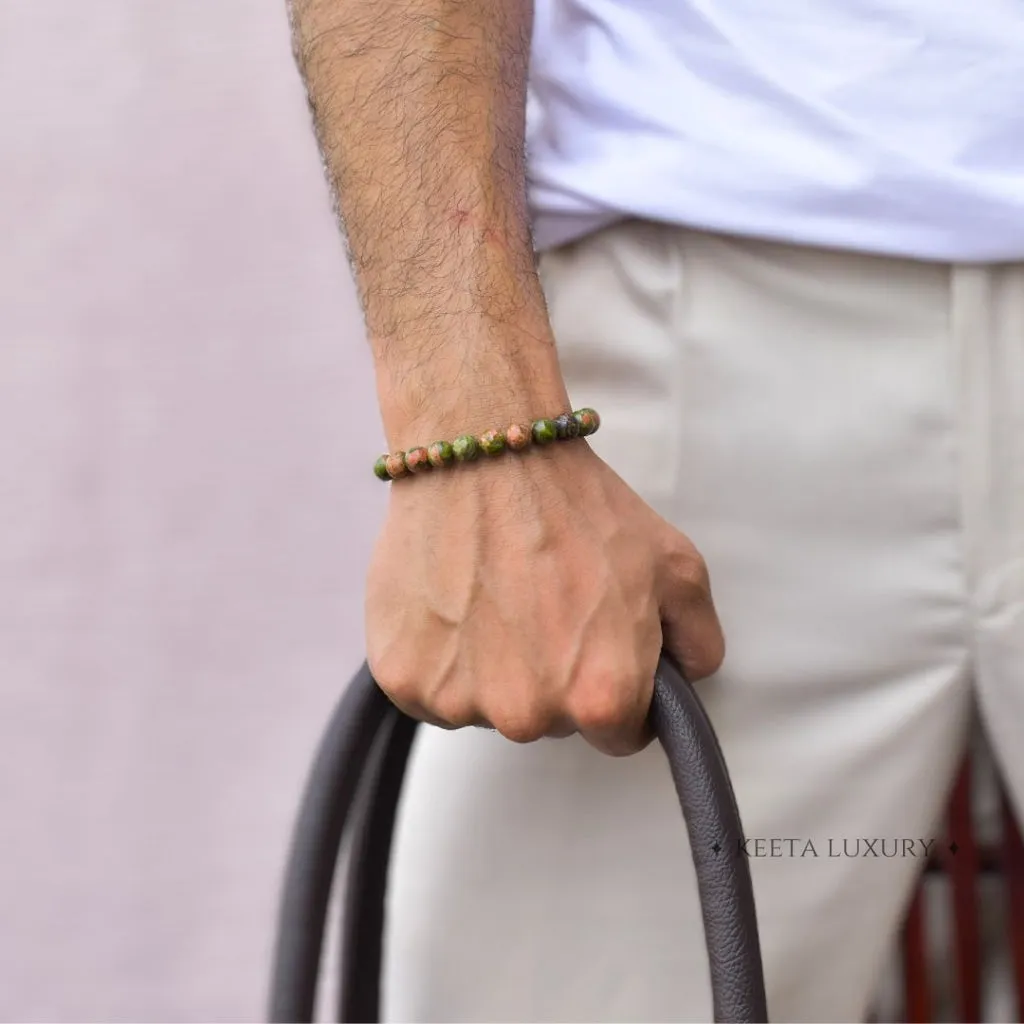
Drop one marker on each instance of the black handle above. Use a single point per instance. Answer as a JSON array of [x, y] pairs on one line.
[[363, 716]]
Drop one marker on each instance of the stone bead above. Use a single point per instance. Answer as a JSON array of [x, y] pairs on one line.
[[440, 454], [544, 431], [380, 468], [416, 460], [566, 426], [465, 448], [588, 421], [395, 465], [517, 437], [492, 442]]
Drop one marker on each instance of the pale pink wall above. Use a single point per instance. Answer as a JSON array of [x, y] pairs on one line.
[[186, 508]]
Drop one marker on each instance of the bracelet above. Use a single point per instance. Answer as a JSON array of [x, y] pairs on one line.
[[466, 448]]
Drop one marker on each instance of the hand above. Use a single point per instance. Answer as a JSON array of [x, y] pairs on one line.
[[533, 594]]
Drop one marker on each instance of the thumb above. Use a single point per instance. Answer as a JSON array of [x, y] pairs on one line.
[[690, 628]]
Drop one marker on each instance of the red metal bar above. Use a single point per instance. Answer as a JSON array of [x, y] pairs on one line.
[[916, 989], [1013, 868], [963, 864]]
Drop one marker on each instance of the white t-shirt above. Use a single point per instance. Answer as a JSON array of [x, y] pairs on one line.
[[889, 126]]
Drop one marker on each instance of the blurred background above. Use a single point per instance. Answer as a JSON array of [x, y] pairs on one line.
[[187, 421]]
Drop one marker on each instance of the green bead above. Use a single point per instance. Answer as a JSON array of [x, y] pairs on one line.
[[566, 426], [380, 468], [465, 448], [440, 454], [588, 421], [544, 431], [492, 443]]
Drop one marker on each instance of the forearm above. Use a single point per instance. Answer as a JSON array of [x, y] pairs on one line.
[[419, 106]]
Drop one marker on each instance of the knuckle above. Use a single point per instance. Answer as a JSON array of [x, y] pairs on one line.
[[455, 711], [705, 659], [714, 655], [690, 577], [398, 680], [523, 728], [604, 703], [693, 572], [399, 673], [686, 562], [717, 653]]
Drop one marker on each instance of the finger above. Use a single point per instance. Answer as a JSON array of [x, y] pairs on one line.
[[610, 707], [419, 713], [621, 742], [691, 631], [525, 715], [444, 713]]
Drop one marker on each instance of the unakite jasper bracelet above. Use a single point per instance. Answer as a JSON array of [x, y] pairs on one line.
[[466, 448]]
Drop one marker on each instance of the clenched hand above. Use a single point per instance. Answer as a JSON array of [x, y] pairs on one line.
[[533, 594], [529, 593]]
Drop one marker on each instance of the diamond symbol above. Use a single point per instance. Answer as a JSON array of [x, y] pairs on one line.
[[953, 848], [717, 848]]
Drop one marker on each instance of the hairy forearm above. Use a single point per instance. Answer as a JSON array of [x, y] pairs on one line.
[[419, 107]]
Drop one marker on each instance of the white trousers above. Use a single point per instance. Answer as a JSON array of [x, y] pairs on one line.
[[842, 436]]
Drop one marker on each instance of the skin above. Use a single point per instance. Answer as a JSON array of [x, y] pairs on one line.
[[529, 594]]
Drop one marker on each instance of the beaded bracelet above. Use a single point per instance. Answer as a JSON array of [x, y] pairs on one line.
[[466, 448]]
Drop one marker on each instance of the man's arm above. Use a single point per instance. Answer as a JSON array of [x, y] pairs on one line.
[[531, 593], [420, 107]]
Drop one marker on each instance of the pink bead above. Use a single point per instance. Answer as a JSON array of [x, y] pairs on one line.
[[517, 437], [416, 460]]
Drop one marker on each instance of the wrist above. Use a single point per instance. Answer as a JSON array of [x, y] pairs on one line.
[[519, 437], [471, 383]]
